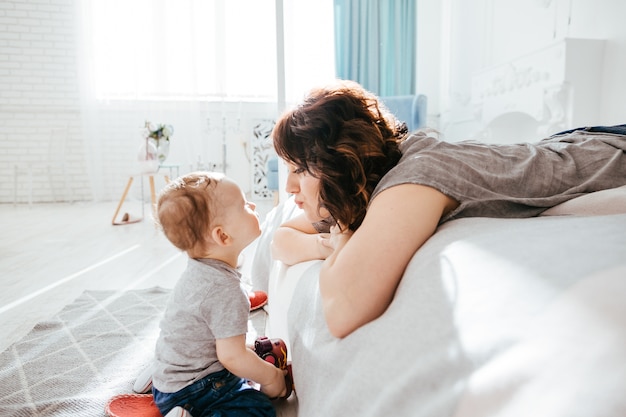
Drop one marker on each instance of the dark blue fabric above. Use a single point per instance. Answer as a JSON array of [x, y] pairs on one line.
[[615, 130], [219, 394]]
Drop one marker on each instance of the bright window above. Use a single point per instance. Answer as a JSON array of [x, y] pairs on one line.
[[199, 49]]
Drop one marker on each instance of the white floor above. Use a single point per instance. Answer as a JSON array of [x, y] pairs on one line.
[[51, 253]]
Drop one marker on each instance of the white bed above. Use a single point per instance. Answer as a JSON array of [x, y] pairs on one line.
[[493, 317]]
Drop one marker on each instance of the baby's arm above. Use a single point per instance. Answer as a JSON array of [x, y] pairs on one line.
[[243, 362], [296, 240]]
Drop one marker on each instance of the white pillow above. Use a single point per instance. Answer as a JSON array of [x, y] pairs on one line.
[[611, 201]]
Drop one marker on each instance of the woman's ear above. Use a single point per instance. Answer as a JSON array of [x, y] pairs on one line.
[[220, 236]]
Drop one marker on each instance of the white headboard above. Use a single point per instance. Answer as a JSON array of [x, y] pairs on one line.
[[552, 89]]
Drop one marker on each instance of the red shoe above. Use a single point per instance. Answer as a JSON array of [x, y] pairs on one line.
[[257, 299], [274, 351], [132, 405]]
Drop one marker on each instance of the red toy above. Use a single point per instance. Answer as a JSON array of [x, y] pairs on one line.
[[274, 351]]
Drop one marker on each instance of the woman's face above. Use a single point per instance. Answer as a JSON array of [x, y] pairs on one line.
[[306, 190]]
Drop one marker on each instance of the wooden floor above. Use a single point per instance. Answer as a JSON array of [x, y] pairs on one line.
[[51, 253]]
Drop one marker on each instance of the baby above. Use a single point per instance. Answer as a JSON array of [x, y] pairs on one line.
[[202, 364]]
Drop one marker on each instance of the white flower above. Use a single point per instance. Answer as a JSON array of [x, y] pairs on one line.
[[168, 131], [160, 131], [150, 126]]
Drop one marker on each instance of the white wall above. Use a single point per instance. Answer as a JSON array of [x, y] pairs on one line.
[[38, 90], [476, 35]]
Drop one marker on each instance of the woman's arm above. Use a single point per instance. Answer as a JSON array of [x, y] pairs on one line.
[[296, 240], [358, 281], [243, 362]]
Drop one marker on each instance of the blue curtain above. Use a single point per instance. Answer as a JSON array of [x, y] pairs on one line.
[[375, 44]]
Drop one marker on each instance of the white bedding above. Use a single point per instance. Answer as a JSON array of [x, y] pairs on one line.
[[494, 317]]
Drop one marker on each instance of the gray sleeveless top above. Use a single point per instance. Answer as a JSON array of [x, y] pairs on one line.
[[519, 180]]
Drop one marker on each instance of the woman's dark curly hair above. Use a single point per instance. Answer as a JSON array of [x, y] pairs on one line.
[[343, 135]]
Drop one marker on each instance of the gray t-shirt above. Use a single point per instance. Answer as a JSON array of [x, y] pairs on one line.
[[519, 180], [207, 303]]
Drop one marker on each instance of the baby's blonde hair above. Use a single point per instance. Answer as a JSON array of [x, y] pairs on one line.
[[185, 209]]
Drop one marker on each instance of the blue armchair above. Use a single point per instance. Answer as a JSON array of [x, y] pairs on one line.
[[410, 109], [272, 173]]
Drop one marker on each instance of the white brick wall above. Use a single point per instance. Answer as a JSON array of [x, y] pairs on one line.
[[38, 92]]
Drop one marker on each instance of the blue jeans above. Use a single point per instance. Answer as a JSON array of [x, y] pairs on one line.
[[216, 395]]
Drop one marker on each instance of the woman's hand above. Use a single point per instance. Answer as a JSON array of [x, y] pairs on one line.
[[337, 238], [324, 246]]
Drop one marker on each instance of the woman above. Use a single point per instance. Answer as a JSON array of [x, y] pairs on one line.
[[382, 193]]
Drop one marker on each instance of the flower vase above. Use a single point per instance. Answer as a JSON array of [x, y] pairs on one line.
[[148, 157], [163, 150]]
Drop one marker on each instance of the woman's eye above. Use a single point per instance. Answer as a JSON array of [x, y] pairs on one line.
[[298, 170]]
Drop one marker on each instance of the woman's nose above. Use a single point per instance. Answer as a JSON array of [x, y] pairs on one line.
[[292, 184]]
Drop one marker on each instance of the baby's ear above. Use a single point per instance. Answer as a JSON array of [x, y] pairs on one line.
[[220, 236]]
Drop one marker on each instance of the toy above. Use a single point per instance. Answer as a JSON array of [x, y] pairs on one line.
[[274, 351]]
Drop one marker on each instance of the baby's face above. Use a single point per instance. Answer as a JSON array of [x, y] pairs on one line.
[[240, 216]]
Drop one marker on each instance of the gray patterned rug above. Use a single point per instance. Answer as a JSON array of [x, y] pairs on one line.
[[92, 350]]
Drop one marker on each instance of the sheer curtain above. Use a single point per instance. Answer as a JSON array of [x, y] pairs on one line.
[[208, 67], [375, 44], [309, 46]]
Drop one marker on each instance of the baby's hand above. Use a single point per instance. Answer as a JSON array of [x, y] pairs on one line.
[[276, 388]]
